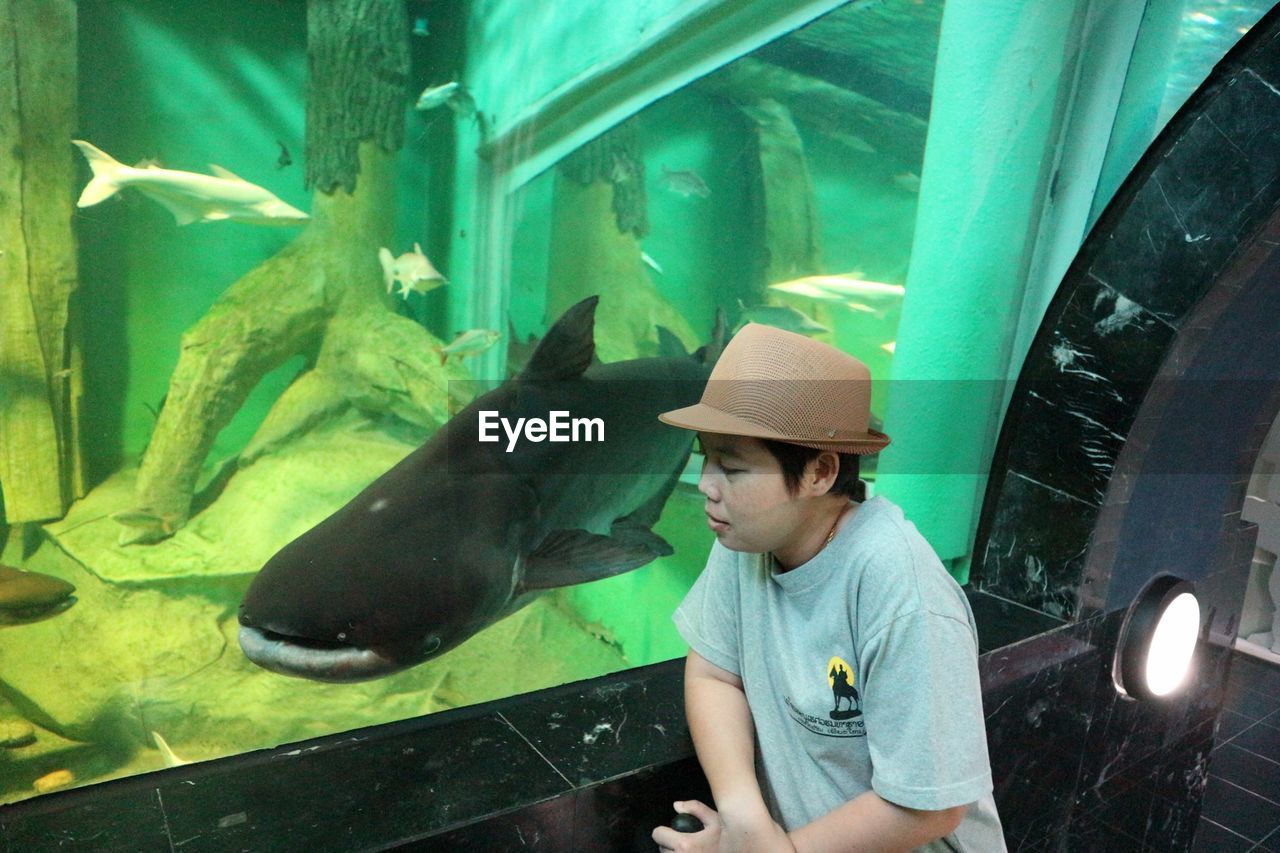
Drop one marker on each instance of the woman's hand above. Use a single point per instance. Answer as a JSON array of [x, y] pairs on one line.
[[708, 838], [753, 833]]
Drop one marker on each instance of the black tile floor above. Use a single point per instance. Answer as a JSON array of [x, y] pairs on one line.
[[1241, 809]]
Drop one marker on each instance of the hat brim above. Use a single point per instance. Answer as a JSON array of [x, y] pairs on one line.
[[703, 418]]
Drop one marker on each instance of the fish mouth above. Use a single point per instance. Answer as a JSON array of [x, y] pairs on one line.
[[316, 660], [26, 614]]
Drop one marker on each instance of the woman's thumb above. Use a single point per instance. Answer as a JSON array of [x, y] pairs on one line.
[[698, 809]]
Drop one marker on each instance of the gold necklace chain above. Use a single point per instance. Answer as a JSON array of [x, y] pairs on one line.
[[832, 534]]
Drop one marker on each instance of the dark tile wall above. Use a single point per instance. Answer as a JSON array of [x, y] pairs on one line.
[[1125, 454], [1242, 796]]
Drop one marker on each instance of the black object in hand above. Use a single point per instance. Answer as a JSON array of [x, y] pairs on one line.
[[686, 823]]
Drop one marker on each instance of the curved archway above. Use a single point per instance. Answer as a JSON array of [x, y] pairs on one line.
[[1125, 453]]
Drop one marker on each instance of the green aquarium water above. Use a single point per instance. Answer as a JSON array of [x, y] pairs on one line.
[[252, 289]]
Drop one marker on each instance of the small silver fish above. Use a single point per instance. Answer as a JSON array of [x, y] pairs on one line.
[[146, 519], [855, 143], [452, 95], [907, 182], [472, 342], [781, 317], [685, 182], [437, 96], [651, 263], [412, 270]]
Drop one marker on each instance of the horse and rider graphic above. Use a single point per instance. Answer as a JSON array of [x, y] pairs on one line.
[[842, 689]]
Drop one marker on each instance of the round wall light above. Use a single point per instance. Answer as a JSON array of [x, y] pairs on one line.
[[1157, 639]]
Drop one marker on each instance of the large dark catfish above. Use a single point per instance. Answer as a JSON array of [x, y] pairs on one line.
[[463, 532]]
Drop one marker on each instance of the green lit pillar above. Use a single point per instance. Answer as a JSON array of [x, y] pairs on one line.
[[1144, 92], [998, 106]]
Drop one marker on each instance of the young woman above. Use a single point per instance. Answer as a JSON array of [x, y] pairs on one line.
[[832, 679]]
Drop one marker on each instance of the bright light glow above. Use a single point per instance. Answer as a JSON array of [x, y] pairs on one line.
[[1172, 644]]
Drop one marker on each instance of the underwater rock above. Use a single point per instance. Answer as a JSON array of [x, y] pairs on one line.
[[164, 654], [16, 733], [260, 509]]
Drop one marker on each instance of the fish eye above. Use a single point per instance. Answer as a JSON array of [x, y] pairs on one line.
[[430, 645]]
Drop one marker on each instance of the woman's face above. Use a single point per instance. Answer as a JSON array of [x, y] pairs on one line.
[[747, 504]]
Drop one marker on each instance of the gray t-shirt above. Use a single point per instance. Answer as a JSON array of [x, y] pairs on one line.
[[861, 671]]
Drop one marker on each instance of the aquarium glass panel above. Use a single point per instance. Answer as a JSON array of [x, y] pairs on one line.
[[780, 189], [1209, 29], [243, 501]]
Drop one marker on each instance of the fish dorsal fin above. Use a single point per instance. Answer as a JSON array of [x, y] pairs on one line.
[[225, 173], [569, 345], [568, 557]]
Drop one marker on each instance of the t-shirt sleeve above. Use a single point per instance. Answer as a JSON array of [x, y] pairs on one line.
[[709, 619], [922, 703]]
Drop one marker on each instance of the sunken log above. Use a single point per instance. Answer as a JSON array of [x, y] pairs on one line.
[[784, 201], [322, 295], [595, 245], [40, 359]]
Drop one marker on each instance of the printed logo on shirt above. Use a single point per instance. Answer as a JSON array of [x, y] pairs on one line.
[[845, 718]]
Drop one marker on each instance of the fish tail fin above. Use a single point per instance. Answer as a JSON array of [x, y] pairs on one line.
[[388, 267], [170, 759], [106, 182]]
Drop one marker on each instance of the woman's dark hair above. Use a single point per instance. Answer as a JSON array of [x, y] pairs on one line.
[[793, 458]]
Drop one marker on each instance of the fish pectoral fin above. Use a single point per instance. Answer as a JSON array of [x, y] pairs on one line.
[[185, 214], [568, 557], [640, 536], [645, 516]]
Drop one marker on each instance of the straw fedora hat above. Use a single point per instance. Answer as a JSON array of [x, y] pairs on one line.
[[770, 383]]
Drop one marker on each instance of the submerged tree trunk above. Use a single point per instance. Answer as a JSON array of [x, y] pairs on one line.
[[40, 359], [322, 295], [786, 204], [598, 217]]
